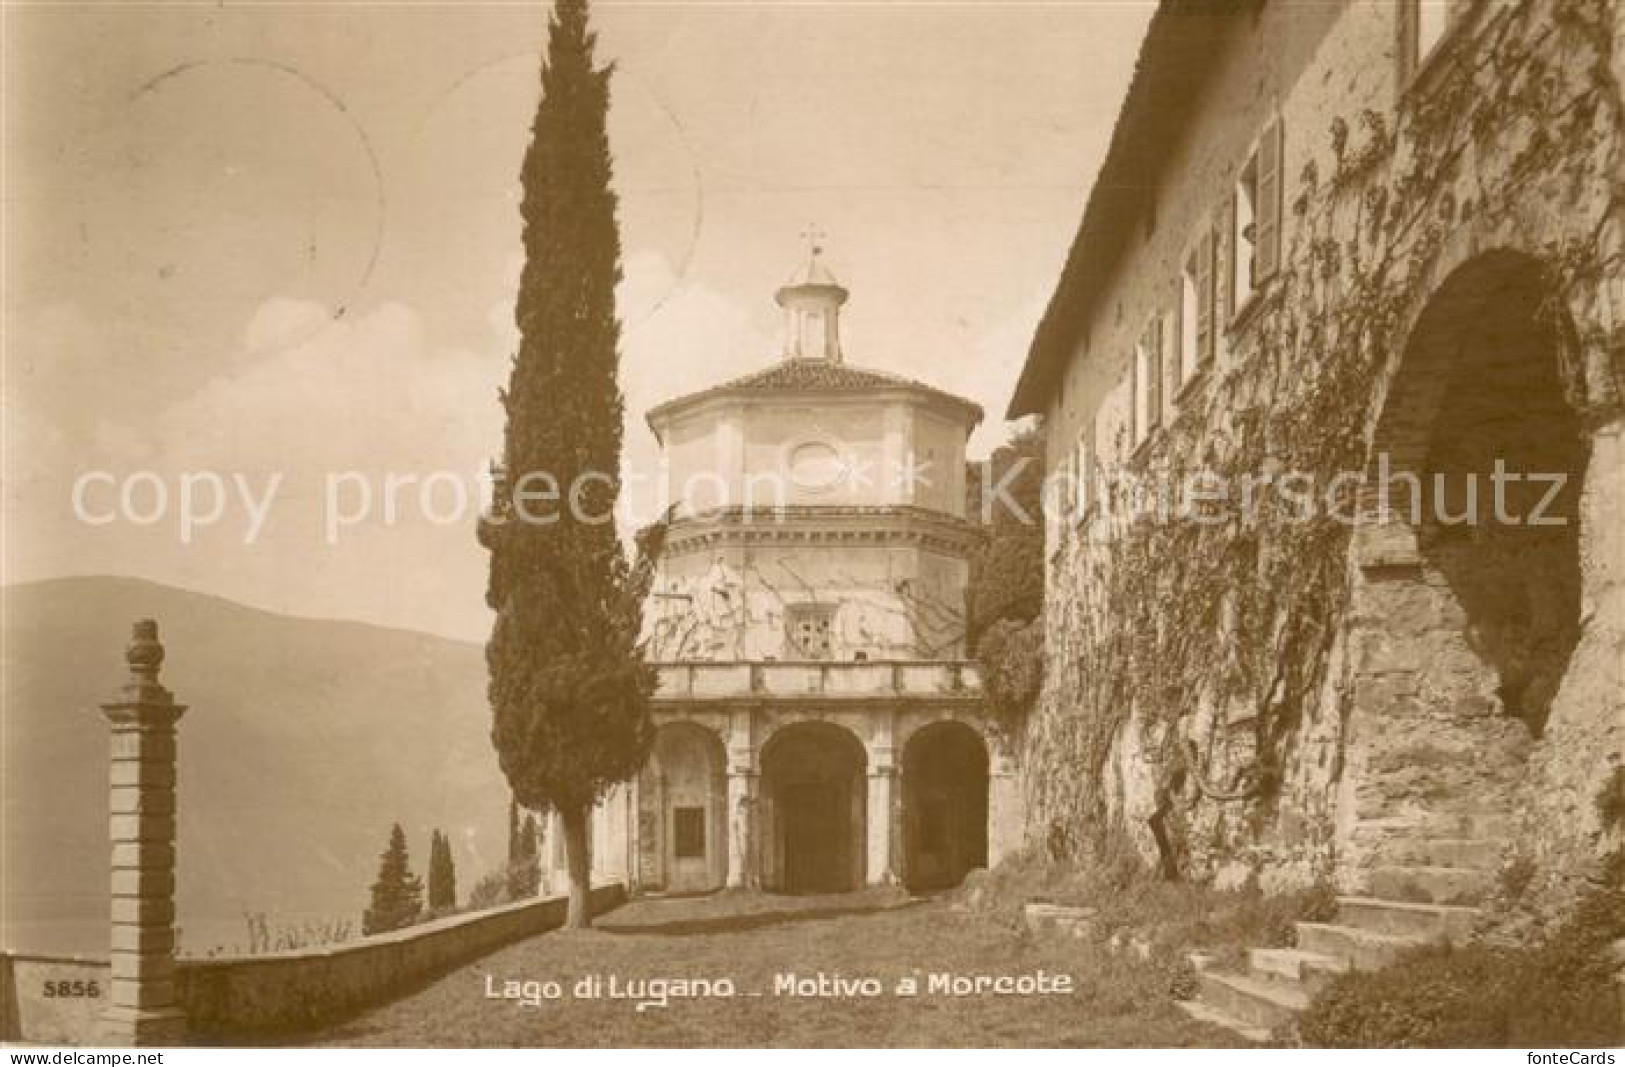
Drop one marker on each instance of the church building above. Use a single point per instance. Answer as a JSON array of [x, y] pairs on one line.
[[818, 726]]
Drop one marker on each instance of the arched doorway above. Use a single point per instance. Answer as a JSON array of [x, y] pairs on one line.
[[1463, 635], [681, 818], [944, 806], [814, 792]]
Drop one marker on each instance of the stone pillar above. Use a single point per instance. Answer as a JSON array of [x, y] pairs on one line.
[[744, 825], [142, 828], [882, 865], [882, 802], [1004, 808]]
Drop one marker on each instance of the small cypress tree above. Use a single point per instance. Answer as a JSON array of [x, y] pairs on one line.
[[397, 895], [442, 873], [513, 830], [525, 869]]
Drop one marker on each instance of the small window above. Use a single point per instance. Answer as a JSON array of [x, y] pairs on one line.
[[1083, 470], [809, 628], [688, 833], [1065, 496], [1243, 236], [1432, 18], [1255, 235], [1148, 381], [1422, 26]]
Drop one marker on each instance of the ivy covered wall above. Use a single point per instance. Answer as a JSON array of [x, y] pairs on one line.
[[1297, 698]]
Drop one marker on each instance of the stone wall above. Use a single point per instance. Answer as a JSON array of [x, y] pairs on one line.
[[1470, 703], [52, 1000], [242, 997]]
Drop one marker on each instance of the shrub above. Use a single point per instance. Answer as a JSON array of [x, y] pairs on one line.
[[489, 891], [266, 935], [1560, 992]]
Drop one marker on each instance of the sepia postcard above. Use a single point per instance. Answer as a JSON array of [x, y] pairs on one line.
[[571, 524]]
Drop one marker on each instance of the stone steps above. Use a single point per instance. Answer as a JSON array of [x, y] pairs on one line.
[[1295, 966], [1451, 922], [1364, 949], [1204, 1013], [1369, 933], [1480, 853], [1442, 885], [1254, 1001]]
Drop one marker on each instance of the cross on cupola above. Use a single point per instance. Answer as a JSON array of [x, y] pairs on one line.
[[812, 300]]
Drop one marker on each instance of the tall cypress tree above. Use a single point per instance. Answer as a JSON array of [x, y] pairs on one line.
[[397, 895], [569, 690]]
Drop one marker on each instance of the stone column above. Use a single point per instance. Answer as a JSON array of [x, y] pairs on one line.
[[744, 827], [882, 800], [1004, 808], [882, 865], [143, 1010]]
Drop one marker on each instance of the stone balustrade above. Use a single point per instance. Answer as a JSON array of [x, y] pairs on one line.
[[858, 680]]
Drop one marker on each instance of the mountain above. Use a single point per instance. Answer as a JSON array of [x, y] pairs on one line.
[[305, 740]]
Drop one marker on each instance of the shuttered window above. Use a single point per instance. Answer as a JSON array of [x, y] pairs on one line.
[[1267, 206], [1203, 271]]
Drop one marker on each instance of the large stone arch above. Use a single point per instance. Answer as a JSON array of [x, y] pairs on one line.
[[1466, 607], [682, 810], [813, 808]]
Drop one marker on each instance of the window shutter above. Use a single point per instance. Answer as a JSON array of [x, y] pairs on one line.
[[1224, 265], [1064, 499], [1134, 398], [1086, 468], [1171, 342], [1204, 299], [1153, 374], [1175, 363], [1267, 224]]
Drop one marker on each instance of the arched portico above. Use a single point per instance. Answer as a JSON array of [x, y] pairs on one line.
[[813, 807], [683, 824], [945, 805]]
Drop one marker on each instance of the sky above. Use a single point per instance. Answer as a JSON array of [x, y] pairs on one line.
[[260, 259]]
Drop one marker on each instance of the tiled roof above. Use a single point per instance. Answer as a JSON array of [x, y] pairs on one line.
[[817, 376]]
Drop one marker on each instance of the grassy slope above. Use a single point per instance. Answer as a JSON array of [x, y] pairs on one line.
[[1119, 1002]]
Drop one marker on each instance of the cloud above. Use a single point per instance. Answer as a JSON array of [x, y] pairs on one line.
[[306, 397], [679, 336]]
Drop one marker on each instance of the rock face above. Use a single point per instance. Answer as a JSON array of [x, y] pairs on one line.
[[1462, 704]]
